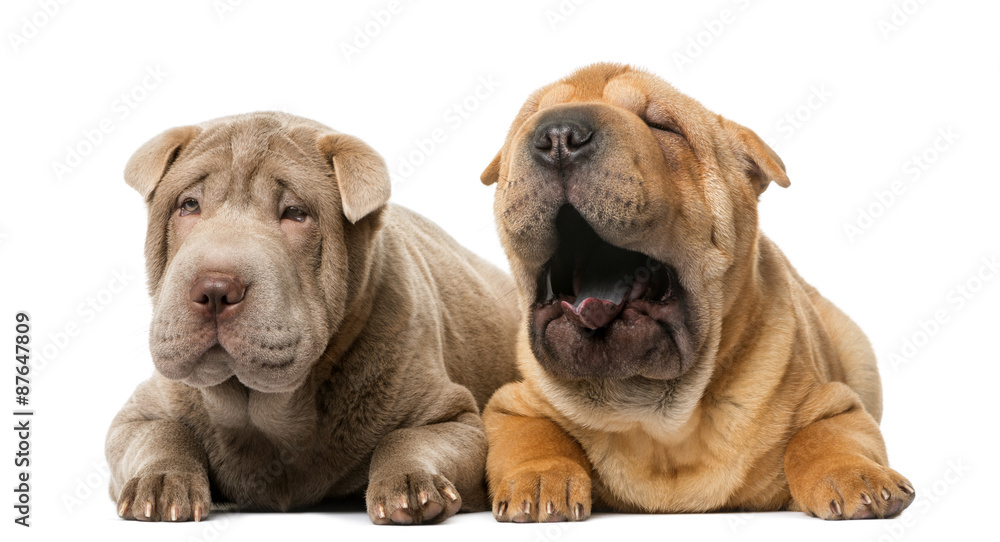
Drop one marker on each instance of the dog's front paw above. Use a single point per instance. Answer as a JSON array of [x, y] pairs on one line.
[[859, 489], [414, 498], [165, 497], [544, 490]]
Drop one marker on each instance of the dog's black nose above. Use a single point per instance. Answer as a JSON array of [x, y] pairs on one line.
[[562, 142]]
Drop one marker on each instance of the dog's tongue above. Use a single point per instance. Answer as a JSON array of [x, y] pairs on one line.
[[601, 294]]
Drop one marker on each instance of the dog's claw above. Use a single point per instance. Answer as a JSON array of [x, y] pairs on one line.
[[164, 497], [555, 492], [847, 493], [411, 498]]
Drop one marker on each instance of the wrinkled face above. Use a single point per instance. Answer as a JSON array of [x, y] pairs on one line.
[[624, 207], [247, 252]]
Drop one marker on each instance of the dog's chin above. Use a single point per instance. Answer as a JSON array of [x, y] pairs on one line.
[[213, 368], [217, 365], [265, 383], [606, 312], [639, 342]]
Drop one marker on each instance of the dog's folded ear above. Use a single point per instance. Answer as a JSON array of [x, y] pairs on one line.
[[763, 164], [150, 163], [361, 173], [492, 172]]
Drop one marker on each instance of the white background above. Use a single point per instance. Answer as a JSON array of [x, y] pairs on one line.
[[881, 95]]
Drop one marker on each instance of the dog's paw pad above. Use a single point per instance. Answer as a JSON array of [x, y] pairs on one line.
[[543, 491], [406, 499], [165, 497]]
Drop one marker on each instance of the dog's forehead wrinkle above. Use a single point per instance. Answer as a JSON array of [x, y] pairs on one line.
[[245, 167], [623, 93], [592, 79], [285, 145], [558, 93], [212, 140], [287, 174], [249, 144]]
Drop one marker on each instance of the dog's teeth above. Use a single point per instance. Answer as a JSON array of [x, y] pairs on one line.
[[549, 294]]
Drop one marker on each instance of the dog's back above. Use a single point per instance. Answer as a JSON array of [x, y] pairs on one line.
[[478, 339]]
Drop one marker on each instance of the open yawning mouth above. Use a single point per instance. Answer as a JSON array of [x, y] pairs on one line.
[[594, 282], [604, 311]]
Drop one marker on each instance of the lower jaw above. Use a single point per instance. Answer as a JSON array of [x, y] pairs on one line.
[[634, 344], [209, 375], [270, 380]]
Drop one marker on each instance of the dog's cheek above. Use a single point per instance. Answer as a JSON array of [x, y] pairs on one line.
[[302, 237], [181, 226], [175, 334]]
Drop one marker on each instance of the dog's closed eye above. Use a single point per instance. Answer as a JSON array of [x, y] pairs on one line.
[[665, 126]]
